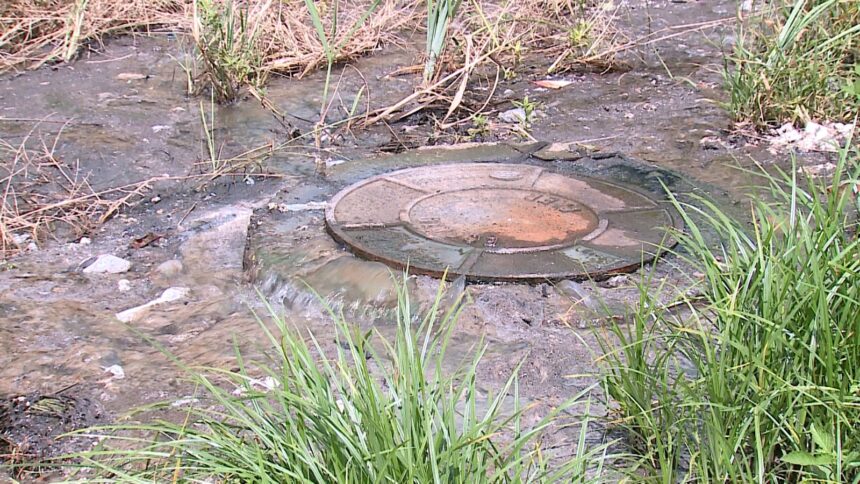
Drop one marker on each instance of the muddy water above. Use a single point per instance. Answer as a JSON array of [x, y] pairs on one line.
[[58, 326]]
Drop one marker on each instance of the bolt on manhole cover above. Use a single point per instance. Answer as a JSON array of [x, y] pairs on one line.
[[503, 222]]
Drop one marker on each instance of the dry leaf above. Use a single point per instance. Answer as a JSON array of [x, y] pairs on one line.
[[553, 84]]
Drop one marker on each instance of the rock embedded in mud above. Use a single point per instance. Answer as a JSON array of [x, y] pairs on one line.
[[171, 294], [513, 116], [169, 269], [108, 264], [617, 281]]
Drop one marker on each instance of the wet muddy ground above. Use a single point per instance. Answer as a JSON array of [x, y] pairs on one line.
[[122, 115]]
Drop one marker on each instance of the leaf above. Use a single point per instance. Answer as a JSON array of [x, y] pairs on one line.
[[822, 439], [802, 458], [553, 84]]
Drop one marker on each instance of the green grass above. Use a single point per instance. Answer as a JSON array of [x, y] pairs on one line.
[[440, 13], [760, 381], [228, 49], [363, 416], [333, 43], [795, 61]]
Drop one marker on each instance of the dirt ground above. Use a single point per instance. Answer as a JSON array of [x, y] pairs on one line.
[[121, 115]]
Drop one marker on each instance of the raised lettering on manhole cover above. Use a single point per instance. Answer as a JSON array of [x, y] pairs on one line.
[[499, 222]]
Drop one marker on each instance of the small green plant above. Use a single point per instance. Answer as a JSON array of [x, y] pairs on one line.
[[227, 42], [791, 61], [759, 381], [578, 35], [480, 127], [852, 85], [440, 13], [377, 411], [529, 108]]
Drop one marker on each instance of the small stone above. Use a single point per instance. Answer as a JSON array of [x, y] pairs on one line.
[[299, 207], [616, 281], [109, 264], [513, 116], [155, 199], [184, 401], [130, 76], [710, 143], [85, 241], [116, 371], [578, 294], [169, 295], [123, 285], [170, 268], [20, 239]]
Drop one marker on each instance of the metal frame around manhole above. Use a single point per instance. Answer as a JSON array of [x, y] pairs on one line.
[[373, 236]]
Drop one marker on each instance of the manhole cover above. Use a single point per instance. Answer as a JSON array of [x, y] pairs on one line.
[[499, 222]]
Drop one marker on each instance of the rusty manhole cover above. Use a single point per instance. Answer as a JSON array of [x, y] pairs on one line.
[[499, 222]]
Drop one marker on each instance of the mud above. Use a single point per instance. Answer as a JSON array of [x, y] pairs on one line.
[[264, 229]]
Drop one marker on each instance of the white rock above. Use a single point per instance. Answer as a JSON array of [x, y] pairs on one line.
[[20, 239], [828, 137], [184, 401], [617, 281], [85, 241], [266, 384], [299, 207], [130, 76], [170, 268], [116, 371], [169, 295], [123, 285], [107, 263]]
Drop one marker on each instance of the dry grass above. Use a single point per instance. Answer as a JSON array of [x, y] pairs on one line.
[[35, 32], [567, 31], [291, 45], [39, 194]]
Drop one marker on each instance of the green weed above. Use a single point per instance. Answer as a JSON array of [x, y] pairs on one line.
[[226, 38], [366, 415], [761, 381], [440, 13], [793, 61], [333, 43]]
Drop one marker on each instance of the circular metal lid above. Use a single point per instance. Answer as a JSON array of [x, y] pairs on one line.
[[506, 222]]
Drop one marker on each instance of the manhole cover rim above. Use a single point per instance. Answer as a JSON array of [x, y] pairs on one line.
[[336, 230]]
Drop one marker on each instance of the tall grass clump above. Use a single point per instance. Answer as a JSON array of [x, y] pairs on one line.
[[440, 13], [365, 415], [795, 61], [758, 381], [226, 35]]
